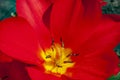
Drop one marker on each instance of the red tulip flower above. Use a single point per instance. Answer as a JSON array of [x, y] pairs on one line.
[[61, 39]]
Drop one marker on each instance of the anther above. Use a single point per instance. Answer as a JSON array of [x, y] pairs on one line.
[[62, 43], [52, 48], [48, 56], [68, 55], [73, 54], [68, 61], [59, 66]]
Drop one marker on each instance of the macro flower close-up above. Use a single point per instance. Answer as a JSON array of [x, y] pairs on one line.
[[60, 40]]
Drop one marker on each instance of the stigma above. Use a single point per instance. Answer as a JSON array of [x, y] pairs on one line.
[[57, 59]]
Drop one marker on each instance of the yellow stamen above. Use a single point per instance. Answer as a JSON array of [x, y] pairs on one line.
[[56, 59]]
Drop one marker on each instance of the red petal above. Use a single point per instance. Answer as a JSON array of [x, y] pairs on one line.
[[18, 40], [92, 9], [65, 13], [37, 74], [104, 37], [102, 40], [3, 69], [13, 71], [33, 11], [99, 67], [115, 17], [4, 58]]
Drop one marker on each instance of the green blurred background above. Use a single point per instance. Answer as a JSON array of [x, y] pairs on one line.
[[112, 7], [8, 9]]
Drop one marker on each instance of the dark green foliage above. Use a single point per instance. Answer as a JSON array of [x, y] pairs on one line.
[[117, 49], [112, 7], [6, 8], [116, 77]]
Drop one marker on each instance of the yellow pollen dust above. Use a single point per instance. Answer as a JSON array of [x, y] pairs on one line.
[[57, 59]]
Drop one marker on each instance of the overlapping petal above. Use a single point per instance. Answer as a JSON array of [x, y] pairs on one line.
[[13, 71], [33, 11], [4, 58], [62, 16], [18, 40]]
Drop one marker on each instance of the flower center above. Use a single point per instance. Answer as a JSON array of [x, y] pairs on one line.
[[57, 59]]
